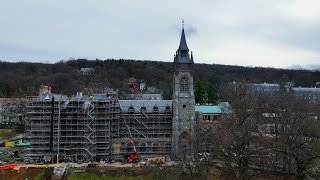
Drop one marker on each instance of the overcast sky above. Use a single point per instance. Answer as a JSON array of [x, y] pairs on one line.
[[268, 33]]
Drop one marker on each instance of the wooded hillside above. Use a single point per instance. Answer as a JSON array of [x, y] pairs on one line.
[[23, 79]]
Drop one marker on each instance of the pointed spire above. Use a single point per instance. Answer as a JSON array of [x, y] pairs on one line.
[[183, 55], [183, 43]]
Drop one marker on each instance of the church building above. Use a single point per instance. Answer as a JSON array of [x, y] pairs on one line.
[[99, 127]]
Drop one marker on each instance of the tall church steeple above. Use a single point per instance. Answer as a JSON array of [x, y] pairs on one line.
[[182, 54], [183, 101]]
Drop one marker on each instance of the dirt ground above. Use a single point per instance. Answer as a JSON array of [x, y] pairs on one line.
[[10, 174]]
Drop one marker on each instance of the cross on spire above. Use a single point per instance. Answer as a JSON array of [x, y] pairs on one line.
[[182, 23]]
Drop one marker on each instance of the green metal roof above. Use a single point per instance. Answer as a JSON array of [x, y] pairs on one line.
[[208, 109], [221, 108]]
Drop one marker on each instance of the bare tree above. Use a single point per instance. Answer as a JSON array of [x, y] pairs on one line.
[[228, 145], [240, 148], [296, 141], [267, 135]]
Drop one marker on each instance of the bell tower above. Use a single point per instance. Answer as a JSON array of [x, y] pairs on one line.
[[183, 101]]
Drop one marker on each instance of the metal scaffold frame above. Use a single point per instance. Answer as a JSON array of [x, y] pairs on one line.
[[151, 130], [93, 130], [81, 130], [39, 126]]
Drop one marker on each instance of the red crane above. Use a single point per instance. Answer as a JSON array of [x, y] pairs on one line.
[[133, 158]]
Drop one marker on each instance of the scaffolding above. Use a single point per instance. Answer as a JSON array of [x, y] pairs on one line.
[[81, 128], [92, 130], [38, 125], [150, 122]]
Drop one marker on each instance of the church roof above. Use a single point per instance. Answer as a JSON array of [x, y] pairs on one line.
[[183, 43], [149, 105]]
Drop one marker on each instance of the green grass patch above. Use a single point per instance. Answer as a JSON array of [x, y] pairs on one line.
[[40, 175], [92, 176]]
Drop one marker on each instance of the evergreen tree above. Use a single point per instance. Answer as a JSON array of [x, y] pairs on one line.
[[212, 93], [200, 92], [7, 91]]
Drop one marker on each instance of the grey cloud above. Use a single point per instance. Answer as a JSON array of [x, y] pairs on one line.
[[107, 29], [190, 30]]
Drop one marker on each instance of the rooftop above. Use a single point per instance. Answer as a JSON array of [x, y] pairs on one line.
[[149, 105], [220, 108], [314, 89]]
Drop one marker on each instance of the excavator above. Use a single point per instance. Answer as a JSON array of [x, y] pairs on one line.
[[133, 158]]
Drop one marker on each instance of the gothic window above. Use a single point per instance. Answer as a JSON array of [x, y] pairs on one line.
[[131, 109], [143, 109], [184, 85], [155, 109], [155, 147], [142, 146], [184, 143], [168, 109]]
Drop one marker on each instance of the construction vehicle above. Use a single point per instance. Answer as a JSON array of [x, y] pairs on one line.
[[133, 158]]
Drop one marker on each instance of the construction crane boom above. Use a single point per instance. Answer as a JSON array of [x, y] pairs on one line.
[[135, 156]]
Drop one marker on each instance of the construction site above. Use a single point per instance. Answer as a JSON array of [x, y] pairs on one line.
[[96, 128]]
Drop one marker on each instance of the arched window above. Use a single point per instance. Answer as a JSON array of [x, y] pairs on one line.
[[131, 109], [184, 143], [142, 146], [184, 85], [168, 109], [143, 109], [155, 147], [155, 109]]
